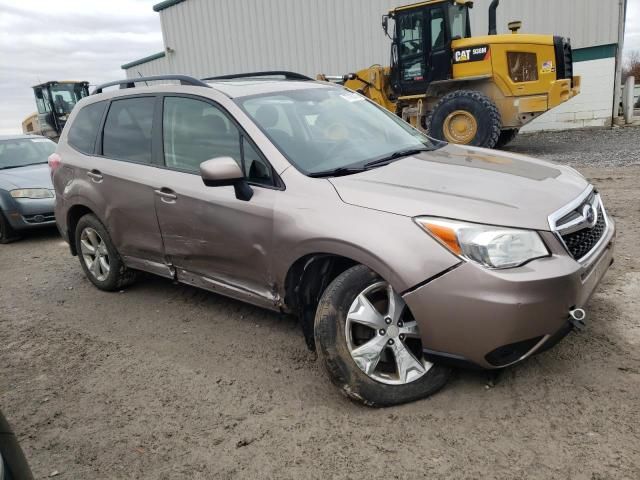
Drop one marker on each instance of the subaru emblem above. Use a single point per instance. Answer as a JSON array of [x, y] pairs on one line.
[[590, 215]]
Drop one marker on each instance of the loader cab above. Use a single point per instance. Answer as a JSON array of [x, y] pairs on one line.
[[421, 48], [54, 101]]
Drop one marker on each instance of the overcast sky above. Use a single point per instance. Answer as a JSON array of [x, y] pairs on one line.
[[44, 40]]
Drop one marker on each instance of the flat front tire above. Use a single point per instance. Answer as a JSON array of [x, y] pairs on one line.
[[98, 256], [369, 342]]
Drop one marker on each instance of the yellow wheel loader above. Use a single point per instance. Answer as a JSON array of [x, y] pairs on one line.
[[55, 100], [467, 90]]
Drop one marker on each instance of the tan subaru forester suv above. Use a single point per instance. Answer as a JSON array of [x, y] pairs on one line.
[[401, 255]]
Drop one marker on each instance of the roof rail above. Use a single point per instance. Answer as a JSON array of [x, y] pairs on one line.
[[131, 82], [274, 73]]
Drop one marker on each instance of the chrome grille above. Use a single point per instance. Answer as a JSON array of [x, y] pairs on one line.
[[581, 225], [39, 218], [581, 242]]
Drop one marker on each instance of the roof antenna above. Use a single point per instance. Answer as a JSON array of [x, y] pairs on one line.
[[142, 77]]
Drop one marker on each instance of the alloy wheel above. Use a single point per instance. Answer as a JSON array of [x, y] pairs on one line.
[[95, 254], [383, 338]]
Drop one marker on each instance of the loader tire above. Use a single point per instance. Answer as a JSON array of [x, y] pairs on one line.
[[466, 117], [506, 137]]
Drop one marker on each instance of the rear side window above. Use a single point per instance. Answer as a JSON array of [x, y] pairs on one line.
[[127, 130], [84, 130]]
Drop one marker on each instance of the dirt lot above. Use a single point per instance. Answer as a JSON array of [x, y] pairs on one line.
[[164, 381]]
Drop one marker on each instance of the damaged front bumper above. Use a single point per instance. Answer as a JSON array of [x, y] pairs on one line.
[[494, 318]]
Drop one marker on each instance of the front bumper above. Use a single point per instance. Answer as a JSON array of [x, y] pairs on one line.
[[475, 316], [31, 213]]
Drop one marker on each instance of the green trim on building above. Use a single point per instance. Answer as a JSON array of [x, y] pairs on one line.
[[155, 56], [166, 4], [595, 53]]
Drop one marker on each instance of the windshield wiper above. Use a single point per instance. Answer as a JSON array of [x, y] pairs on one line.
[[395, 155], [20, 166], [337, 172]]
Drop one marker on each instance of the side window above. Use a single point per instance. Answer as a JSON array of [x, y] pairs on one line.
[[84, 130], [437, 28], [195, 131], [256, 168], [127, 130]]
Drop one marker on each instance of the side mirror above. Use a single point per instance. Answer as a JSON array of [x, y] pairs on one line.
[[385, 25], [224, 171]]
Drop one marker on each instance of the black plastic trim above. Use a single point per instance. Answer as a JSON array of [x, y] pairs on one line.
[[450, 359], [131, 82], [431, 279], [273, 73]]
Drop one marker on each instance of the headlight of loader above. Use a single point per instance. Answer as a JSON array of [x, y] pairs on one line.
[[492, 247], [33, 193]]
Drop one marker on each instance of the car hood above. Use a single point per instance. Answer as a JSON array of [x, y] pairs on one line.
[[32, 176], [466, 183]]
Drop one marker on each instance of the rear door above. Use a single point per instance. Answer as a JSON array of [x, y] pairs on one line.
[[123, 177], [214, 240]]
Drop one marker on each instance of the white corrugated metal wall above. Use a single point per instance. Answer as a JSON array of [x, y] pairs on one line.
[[209, 37], [214, 37]]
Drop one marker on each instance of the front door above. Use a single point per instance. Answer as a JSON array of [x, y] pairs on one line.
[[214, 240]]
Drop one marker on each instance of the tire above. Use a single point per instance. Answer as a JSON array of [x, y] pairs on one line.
[[115, 275], [7, 233], [507, 136], [476, 109], [336, 339]]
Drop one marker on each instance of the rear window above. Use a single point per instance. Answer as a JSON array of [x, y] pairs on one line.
[[84, 130], [127, 130]]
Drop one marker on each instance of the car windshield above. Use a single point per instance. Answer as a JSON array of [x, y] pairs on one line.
[[329, 129], [21, 152]]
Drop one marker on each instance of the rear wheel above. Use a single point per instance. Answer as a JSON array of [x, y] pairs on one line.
[[507, 136], [98, 256], [7, 233], [370, 344], [466, 117]]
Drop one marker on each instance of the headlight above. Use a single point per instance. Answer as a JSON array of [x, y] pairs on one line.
[[32, 193], [492, 247]]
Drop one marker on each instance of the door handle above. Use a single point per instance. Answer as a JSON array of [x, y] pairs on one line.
[[95, 176], [166, 195]]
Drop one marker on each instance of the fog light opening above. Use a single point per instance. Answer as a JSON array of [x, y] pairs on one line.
[[577, 317]]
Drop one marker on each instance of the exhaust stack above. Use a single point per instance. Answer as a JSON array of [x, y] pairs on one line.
[[493, 29]]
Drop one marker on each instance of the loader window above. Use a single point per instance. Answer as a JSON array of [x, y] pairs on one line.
[[410, 27], [437, 28], [459, 18], [65, 96]]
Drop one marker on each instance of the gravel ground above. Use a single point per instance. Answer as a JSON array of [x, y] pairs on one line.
[[164, 381], [617, 147]]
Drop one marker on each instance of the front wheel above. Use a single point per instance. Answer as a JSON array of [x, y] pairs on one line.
[[7, 233], [370, 344]]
